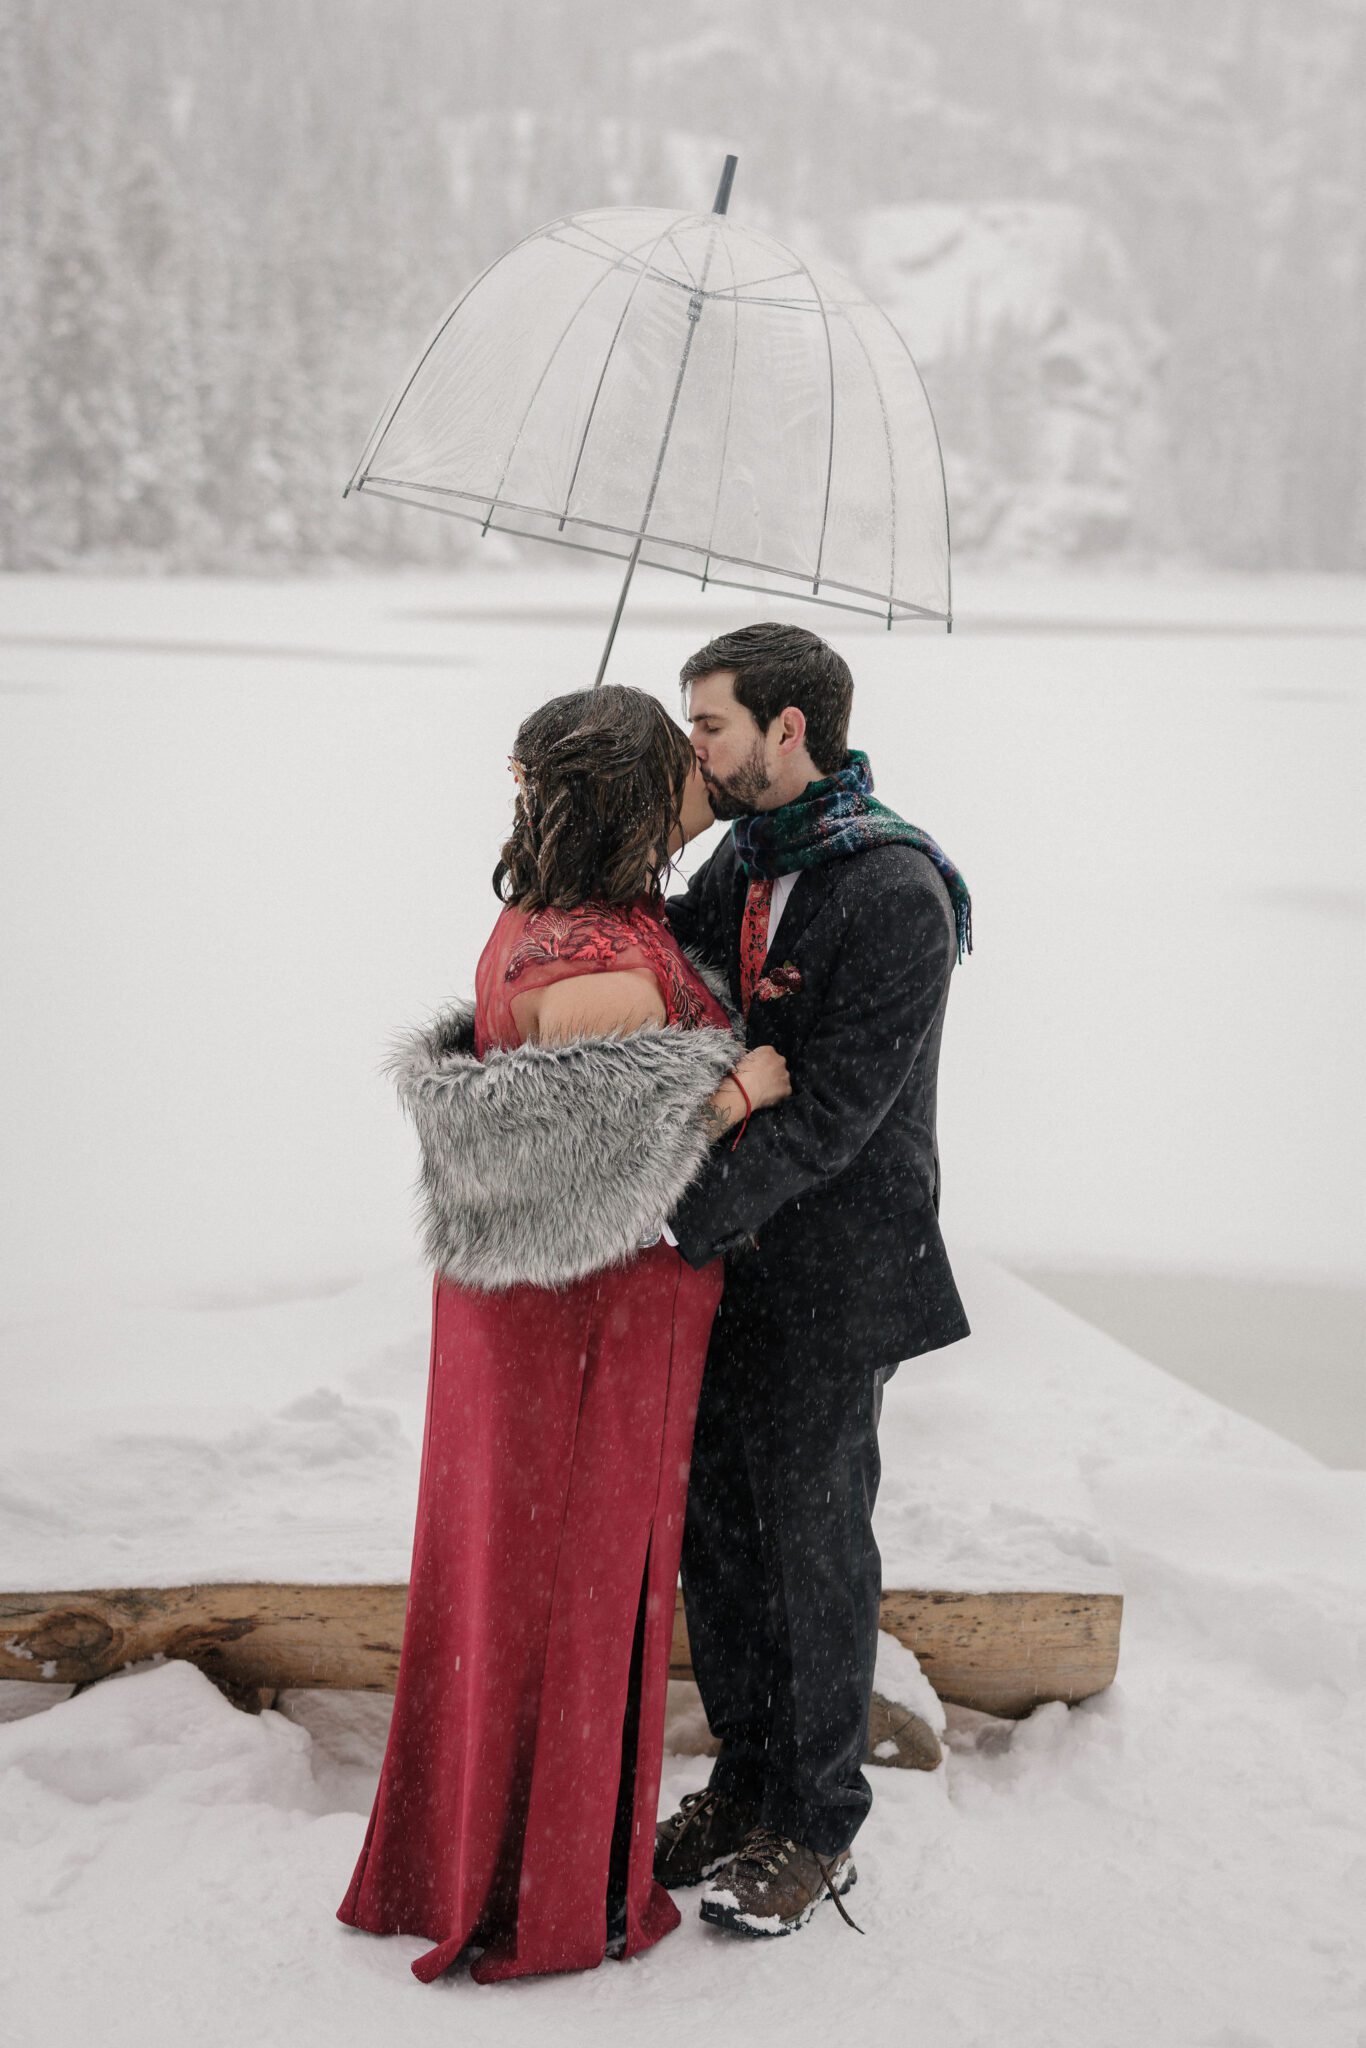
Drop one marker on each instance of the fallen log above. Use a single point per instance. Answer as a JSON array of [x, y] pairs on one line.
[[1003, 1653]]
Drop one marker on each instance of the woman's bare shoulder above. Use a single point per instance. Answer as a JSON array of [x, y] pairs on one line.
[[590, 1005]]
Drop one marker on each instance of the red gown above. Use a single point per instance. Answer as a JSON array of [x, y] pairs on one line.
[[523, 1761]]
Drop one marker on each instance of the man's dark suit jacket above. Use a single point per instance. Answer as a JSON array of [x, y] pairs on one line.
[[828, 1207]]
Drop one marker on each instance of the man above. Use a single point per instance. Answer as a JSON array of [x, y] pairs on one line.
[[838, 925]]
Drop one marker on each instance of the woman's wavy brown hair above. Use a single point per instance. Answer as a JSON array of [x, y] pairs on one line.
[[605, 772]]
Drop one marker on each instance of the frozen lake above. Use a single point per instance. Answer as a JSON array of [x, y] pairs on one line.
[[247, 829], [1291, 1354]]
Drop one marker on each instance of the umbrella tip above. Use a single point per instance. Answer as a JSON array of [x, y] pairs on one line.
[[723, 189]]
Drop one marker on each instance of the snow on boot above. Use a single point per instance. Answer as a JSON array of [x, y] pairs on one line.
[[773, 1885]]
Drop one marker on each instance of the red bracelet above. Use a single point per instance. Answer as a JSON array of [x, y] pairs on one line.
[[749, 1110]]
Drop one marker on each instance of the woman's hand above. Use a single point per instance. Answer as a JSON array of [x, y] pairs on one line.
[[764, 1077]]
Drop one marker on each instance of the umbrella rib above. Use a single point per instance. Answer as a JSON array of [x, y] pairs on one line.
[[830, 449], [939, 451], [596, 285], [891, 459], [683, 262], [625, 260], [676, 220], [575, 220], [386, 418], [602, 378], [788, 305], [752, 284]]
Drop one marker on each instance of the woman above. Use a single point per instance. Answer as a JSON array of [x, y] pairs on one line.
[[560, 1117]]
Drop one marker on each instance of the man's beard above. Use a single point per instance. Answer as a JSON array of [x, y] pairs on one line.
[[735, 797]]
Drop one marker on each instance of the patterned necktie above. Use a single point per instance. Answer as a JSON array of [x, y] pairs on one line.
[[754, 937]]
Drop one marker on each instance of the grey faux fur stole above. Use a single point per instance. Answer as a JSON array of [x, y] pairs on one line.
[[547, 1162]]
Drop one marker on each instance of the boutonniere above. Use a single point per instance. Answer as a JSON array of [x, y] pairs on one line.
[[784, 981]]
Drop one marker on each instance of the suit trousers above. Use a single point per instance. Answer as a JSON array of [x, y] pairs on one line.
[[781, 1575]]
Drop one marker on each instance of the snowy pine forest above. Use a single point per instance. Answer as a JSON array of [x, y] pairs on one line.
[[1126, 246]]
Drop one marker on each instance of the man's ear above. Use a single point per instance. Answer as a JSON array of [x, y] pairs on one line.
[[792, 724]]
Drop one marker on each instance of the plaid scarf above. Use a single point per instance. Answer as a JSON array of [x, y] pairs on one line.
[[833, 818]]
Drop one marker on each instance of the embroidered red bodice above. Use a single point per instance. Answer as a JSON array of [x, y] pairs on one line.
[[530, 949]]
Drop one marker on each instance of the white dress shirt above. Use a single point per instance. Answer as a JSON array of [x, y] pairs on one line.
[[782, 889]]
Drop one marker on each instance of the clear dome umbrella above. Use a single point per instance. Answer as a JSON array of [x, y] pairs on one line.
[[677, 390]]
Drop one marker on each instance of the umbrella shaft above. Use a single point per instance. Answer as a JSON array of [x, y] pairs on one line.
[[616, 616], [694, 315]]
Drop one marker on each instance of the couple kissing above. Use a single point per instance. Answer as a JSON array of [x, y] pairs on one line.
[[680, 1177]]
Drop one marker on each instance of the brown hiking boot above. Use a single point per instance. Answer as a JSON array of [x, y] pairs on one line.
[[772, 1885], [704, 1834]]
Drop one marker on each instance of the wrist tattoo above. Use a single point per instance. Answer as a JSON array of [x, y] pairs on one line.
[[717, 1117]]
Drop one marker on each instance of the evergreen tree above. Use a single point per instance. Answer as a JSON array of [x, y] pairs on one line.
[[20, 542], [85, 440], [166, 513]]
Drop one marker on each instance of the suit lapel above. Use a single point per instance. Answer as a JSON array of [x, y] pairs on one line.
[[810, 893]]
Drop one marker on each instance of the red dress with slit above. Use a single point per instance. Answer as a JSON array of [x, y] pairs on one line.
[[520, 1783]]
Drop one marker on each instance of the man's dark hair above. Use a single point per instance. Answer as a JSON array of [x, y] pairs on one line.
[[780, 665]]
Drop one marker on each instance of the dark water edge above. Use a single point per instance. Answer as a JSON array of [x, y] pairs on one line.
[[1289, 1354]]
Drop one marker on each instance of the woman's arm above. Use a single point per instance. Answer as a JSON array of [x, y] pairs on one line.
[[624, 1000]]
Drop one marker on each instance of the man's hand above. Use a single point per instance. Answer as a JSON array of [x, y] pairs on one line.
[[763, 1075]]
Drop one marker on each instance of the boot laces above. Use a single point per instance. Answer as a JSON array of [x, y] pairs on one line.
[[845, 1916], [767, 1848], [694, 1806]]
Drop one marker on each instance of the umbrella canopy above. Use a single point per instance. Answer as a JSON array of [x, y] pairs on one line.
[[679, 390]]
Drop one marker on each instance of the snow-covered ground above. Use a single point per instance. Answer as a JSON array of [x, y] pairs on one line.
[[309, 1472], [244, 835], [1176, 1862]]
